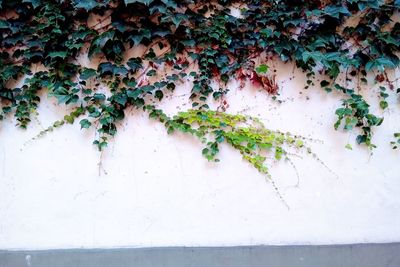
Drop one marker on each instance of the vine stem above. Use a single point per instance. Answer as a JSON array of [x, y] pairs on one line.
[[277, 191], [100, 21], [100, 164]]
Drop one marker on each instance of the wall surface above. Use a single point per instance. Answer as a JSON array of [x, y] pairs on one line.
[[155, 189]]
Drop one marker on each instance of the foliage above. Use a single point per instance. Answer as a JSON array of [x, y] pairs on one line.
[[41, 42], [395, 144], [355, 113], [246, 134]]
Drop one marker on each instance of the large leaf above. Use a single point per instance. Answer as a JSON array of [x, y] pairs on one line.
[[336, 11], [380, 64]]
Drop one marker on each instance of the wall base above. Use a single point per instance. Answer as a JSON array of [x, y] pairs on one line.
[[356, 255]]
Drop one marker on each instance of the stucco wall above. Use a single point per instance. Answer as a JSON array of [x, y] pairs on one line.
[[156, 189]]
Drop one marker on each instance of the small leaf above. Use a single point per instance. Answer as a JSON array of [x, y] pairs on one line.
[[146, 2], [383, 104], [87, 73], [59, 54], [86, 4], [324, 83], [262, 69], [159, 95], [85, 124]]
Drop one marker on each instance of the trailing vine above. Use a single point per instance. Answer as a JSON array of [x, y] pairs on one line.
[[207, 43], [246, 134]]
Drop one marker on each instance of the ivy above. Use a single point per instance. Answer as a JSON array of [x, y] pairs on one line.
[[246, 134], [396, 143], [41, 42]]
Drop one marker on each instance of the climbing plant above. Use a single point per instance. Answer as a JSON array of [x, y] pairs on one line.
[[246, 134], [208, 43]]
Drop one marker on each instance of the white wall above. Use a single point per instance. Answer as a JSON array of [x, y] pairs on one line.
[[159, 191]]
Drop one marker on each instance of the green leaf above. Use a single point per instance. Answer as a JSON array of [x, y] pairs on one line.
[[336, 11], [267, 32], [70, 119], [261, 69], [87, 74], [134, 93], [380, 64], [99, 97], [120, 98], [324, 83], [4, 24], [108, 68], [315, 55], [147, 88], [135, 63], [151, 73], [85, 124], [86, 4], [159, 95], [35, 3], [383, 104], [146, 2], [59, 54], [343, 111], [142, 34]]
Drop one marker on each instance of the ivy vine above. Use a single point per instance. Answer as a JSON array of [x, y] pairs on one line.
[[42, 43], [247, 134]]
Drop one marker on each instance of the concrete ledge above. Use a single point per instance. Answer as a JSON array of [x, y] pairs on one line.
[[356, 255]]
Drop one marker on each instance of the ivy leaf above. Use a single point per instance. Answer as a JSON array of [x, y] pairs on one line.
[[146, 2], [140, 35], [87, 74], [85, 124], [64, 96], [134, 63], [134, 93], [4, 24], [324, 83], [108, 68], [361, 139], [59, 54], [262, 69], [120, 98], [178, 18], [267, 32], [380, 64], [315, 55], [86, 4], [336, 11], [99, 97], [189, 43], [383, 104], [35, 3], [151, 73], [147, 88], [159, 95], [98, 43]]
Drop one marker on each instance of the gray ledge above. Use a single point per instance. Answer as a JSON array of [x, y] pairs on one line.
[[355, 255]]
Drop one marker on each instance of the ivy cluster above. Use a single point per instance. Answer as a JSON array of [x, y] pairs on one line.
[[203, 41], [248, 135]]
